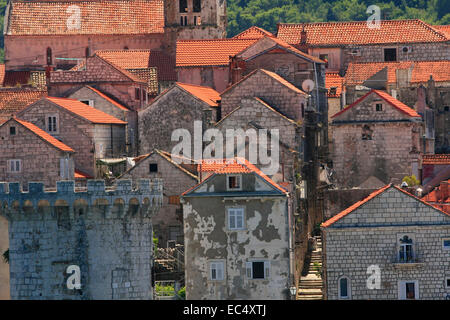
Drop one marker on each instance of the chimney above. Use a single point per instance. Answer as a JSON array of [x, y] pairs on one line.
[[236, 68], [303, 40], [421, 103]]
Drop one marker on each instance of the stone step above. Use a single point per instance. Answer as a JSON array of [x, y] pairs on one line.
[[310, 292], [318, 297]]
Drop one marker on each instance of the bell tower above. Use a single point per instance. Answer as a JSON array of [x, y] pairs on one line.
[[193, 19]]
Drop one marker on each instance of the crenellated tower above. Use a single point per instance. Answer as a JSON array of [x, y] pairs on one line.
[[104, 232]]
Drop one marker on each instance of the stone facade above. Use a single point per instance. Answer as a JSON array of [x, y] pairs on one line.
[[4, 267], [387, 143], [106, 233], [174, 109], [264, 239], [40, 160], [370, 235], [168, 221], [91, 141]]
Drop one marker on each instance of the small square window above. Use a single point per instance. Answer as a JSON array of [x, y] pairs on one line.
[[390, 54], [447, 283], [12, 131], [258, 269], [234, 182], [446, 244], [14, 166], [153, 167], [379, 107]]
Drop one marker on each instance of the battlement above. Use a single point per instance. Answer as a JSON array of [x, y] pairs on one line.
[[147, 195]]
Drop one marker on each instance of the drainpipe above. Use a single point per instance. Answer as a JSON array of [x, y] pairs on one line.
[[291, 246]]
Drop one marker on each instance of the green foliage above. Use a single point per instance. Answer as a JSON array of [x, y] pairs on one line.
[[411, 181], [166, 290], [155, 244], [182, 293], [6, 256], [243, 14], [318, 269]]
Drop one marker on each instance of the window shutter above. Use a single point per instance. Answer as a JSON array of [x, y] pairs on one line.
[[212, 268], [18, 166], [231, 219], [61, 168], [219, 271], [266, 269], [249, 266]]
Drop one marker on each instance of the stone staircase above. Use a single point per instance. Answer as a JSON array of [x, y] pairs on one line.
[[310, 283]]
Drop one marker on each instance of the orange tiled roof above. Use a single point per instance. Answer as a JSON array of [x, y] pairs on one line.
[[206, 94], [253, 32], [357, 73], [44, 136], [104, 96], [97, 17], [389, 99], [83, 110], [142, 59], [13, 100], [374, 194], [333, 79], [286, 45], [436, 159], [358, 33], [81, 175], [214, 52], [445, 29], [230, 166]]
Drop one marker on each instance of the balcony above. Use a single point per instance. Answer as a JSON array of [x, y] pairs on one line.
[[407, 259]]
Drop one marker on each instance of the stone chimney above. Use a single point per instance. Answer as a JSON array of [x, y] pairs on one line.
[[303, 40], [237, 66]]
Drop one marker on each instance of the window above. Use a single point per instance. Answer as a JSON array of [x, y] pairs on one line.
[[390, 54], [446, 244], [153, 167], [12, 131], [447, 283], [87, 52], [405, 253], [216, 270], [197, 5], [183, 20], [344, 288], [49, 56], [366, 133], [236, 218], [234, 182], [137, 94], [88, 102], [14, 166], [52, 123], [324, 57], [183, 6], [197, 20], [64, 168], [379, 107], [408, 290], [258, 269]]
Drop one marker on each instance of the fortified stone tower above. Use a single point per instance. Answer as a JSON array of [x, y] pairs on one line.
[[194, 19], [107, 233]]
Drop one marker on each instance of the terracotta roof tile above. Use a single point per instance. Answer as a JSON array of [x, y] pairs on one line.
[[206, 94], [389, 99], [215, 52], [104, 96], [2, 74], [374, 194], [45, 136], [89, 113], [358, 33], [142, 59], [97, 17], [357, 73], [436, 159], [13, 100], [287, 46], [444, 29], [253, 33], [333, 79], [81, 175]]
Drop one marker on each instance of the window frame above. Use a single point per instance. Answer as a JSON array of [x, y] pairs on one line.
[[90, 102], [447, 283], [240, 182], [150, 167], [349, 288], [241, 210], [401, 245], [376, 107], [443, 244], [11, 128], [56, 124], [249, 269], [194, 6], [390, 48], [210, 269], [402, 285], [19, 161]]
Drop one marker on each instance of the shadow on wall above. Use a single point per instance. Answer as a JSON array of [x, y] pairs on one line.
[[4, 267]]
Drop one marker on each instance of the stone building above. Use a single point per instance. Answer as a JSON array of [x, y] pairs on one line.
[[435, 169], [243, 248], [177, 108], [28, 153], [92, 133], [377, 137], [168, 221], [440, 196], [96, 238], [341, 43], [389, 246]]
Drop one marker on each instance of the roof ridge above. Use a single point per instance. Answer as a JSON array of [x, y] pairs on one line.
[[346, 22], [123, 71], [217, 40]]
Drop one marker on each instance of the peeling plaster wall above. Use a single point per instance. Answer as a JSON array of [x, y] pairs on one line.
[[207, 238]]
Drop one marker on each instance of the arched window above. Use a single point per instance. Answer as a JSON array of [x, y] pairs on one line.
[[49, 56], [344, 288]]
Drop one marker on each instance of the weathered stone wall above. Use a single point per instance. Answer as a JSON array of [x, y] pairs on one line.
[[108, 234], [40, 160], [207, 238], [338, 200], [216, 77], [370, 236], [176, 109], [175, 183], [4, 267], [261, 85]]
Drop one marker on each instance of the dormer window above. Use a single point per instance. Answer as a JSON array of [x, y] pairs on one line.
[[234, 182], [52, 123]]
